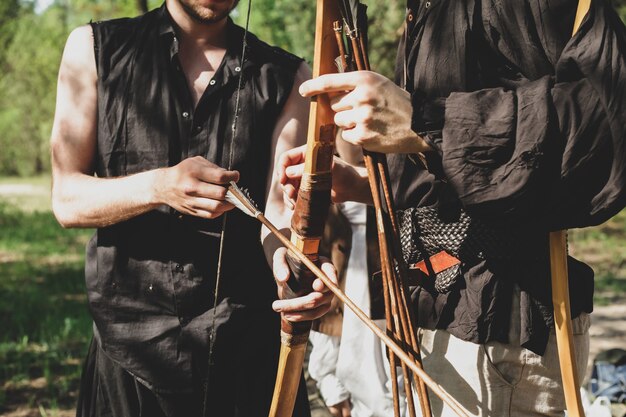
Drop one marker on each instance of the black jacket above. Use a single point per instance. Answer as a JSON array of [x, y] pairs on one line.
[[529, 127]]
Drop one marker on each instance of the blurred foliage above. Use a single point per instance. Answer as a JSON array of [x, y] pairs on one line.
[[28, 73], [290, 23], [33, 36]]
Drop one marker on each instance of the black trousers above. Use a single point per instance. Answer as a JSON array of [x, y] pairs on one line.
[[108, 390]]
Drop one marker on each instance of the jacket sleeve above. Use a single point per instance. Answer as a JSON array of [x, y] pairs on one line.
[[551, 148], [323, 367]]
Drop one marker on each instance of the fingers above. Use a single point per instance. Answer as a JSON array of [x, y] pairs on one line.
[[294, 172], [216, 175], [327, 83], [289, 158], [347, 119], [280, 266], [308, 307], [358, 136], [290, 193], [289, 171], [291, 186], [205, 207], [329, 270], [363, 96], [195, 188], [197, 177]]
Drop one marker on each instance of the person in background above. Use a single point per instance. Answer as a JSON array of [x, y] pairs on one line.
[[154, 116], [348, 362], [500, 127]]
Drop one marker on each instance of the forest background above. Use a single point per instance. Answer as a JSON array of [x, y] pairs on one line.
[[45, 326], [32, 35]]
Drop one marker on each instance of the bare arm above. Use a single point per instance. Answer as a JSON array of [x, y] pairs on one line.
[[290, 131], [81, 200]]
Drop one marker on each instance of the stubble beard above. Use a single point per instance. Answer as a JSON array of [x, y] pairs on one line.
[[205, 15]]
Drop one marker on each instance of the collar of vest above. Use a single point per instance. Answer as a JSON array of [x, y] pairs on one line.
[[234, 47]]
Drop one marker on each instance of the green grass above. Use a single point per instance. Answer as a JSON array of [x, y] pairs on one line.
[[604, 248], [43, 310], [45, 326]]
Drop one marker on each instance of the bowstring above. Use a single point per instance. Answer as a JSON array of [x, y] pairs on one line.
[[218, 274]]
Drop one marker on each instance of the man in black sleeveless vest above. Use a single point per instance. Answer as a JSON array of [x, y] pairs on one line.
[[501, 127], [145, 134]]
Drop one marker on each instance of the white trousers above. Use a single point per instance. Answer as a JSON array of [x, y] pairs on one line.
[[500, 380]]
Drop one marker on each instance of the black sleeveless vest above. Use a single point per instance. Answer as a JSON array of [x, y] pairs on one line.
[[150, 280]]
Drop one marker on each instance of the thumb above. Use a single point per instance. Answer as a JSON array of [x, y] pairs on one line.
[[280, 266], [294, 171]]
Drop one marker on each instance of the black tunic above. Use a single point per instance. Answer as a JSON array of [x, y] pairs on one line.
[[530, 128], [150, 279]]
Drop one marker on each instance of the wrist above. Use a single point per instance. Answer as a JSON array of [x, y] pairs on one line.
[[155, 181], [361, 189]]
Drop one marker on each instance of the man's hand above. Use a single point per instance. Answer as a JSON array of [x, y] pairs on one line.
[[349, 182], [308, 307], [372, 111], [343, 409], [194, 187]]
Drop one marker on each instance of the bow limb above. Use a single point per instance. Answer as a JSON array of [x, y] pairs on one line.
[[560, 295], [310, 212], [405, 358]]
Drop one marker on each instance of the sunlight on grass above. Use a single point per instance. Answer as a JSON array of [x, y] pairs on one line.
[[604, 248], [29, 194], [43, 306], [46, 326]]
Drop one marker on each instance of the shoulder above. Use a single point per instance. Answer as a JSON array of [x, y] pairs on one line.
[[78, 55], [124, 29], [265, 54], [79, 40]]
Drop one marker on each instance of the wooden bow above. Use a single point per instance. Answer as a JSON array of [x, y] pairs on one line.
[[310, 213], [560, 295], [241, 201], [312, 208]]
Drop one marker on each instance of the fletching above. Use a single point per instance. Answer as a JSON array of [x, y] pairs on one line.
[[240, 198]]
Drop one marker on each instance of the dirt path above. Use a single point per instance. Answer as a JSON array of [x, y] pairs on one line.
[[608, 328], [28, 197]]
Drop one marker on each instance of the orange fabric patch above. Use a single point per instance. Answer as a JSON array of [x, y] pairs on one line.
[[439, 262]]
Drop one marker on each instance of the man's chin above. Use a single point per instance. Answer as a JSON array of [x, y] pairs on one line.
[[208, 11], [206, 15]]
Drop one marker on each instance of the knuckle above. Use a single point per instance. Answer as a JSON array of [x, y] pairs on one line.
[[221, 193], [370, 100], [211, 214], [221, 177], [212, 206], [367, 77], [358, 140], [367, 115], [189, 187]]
